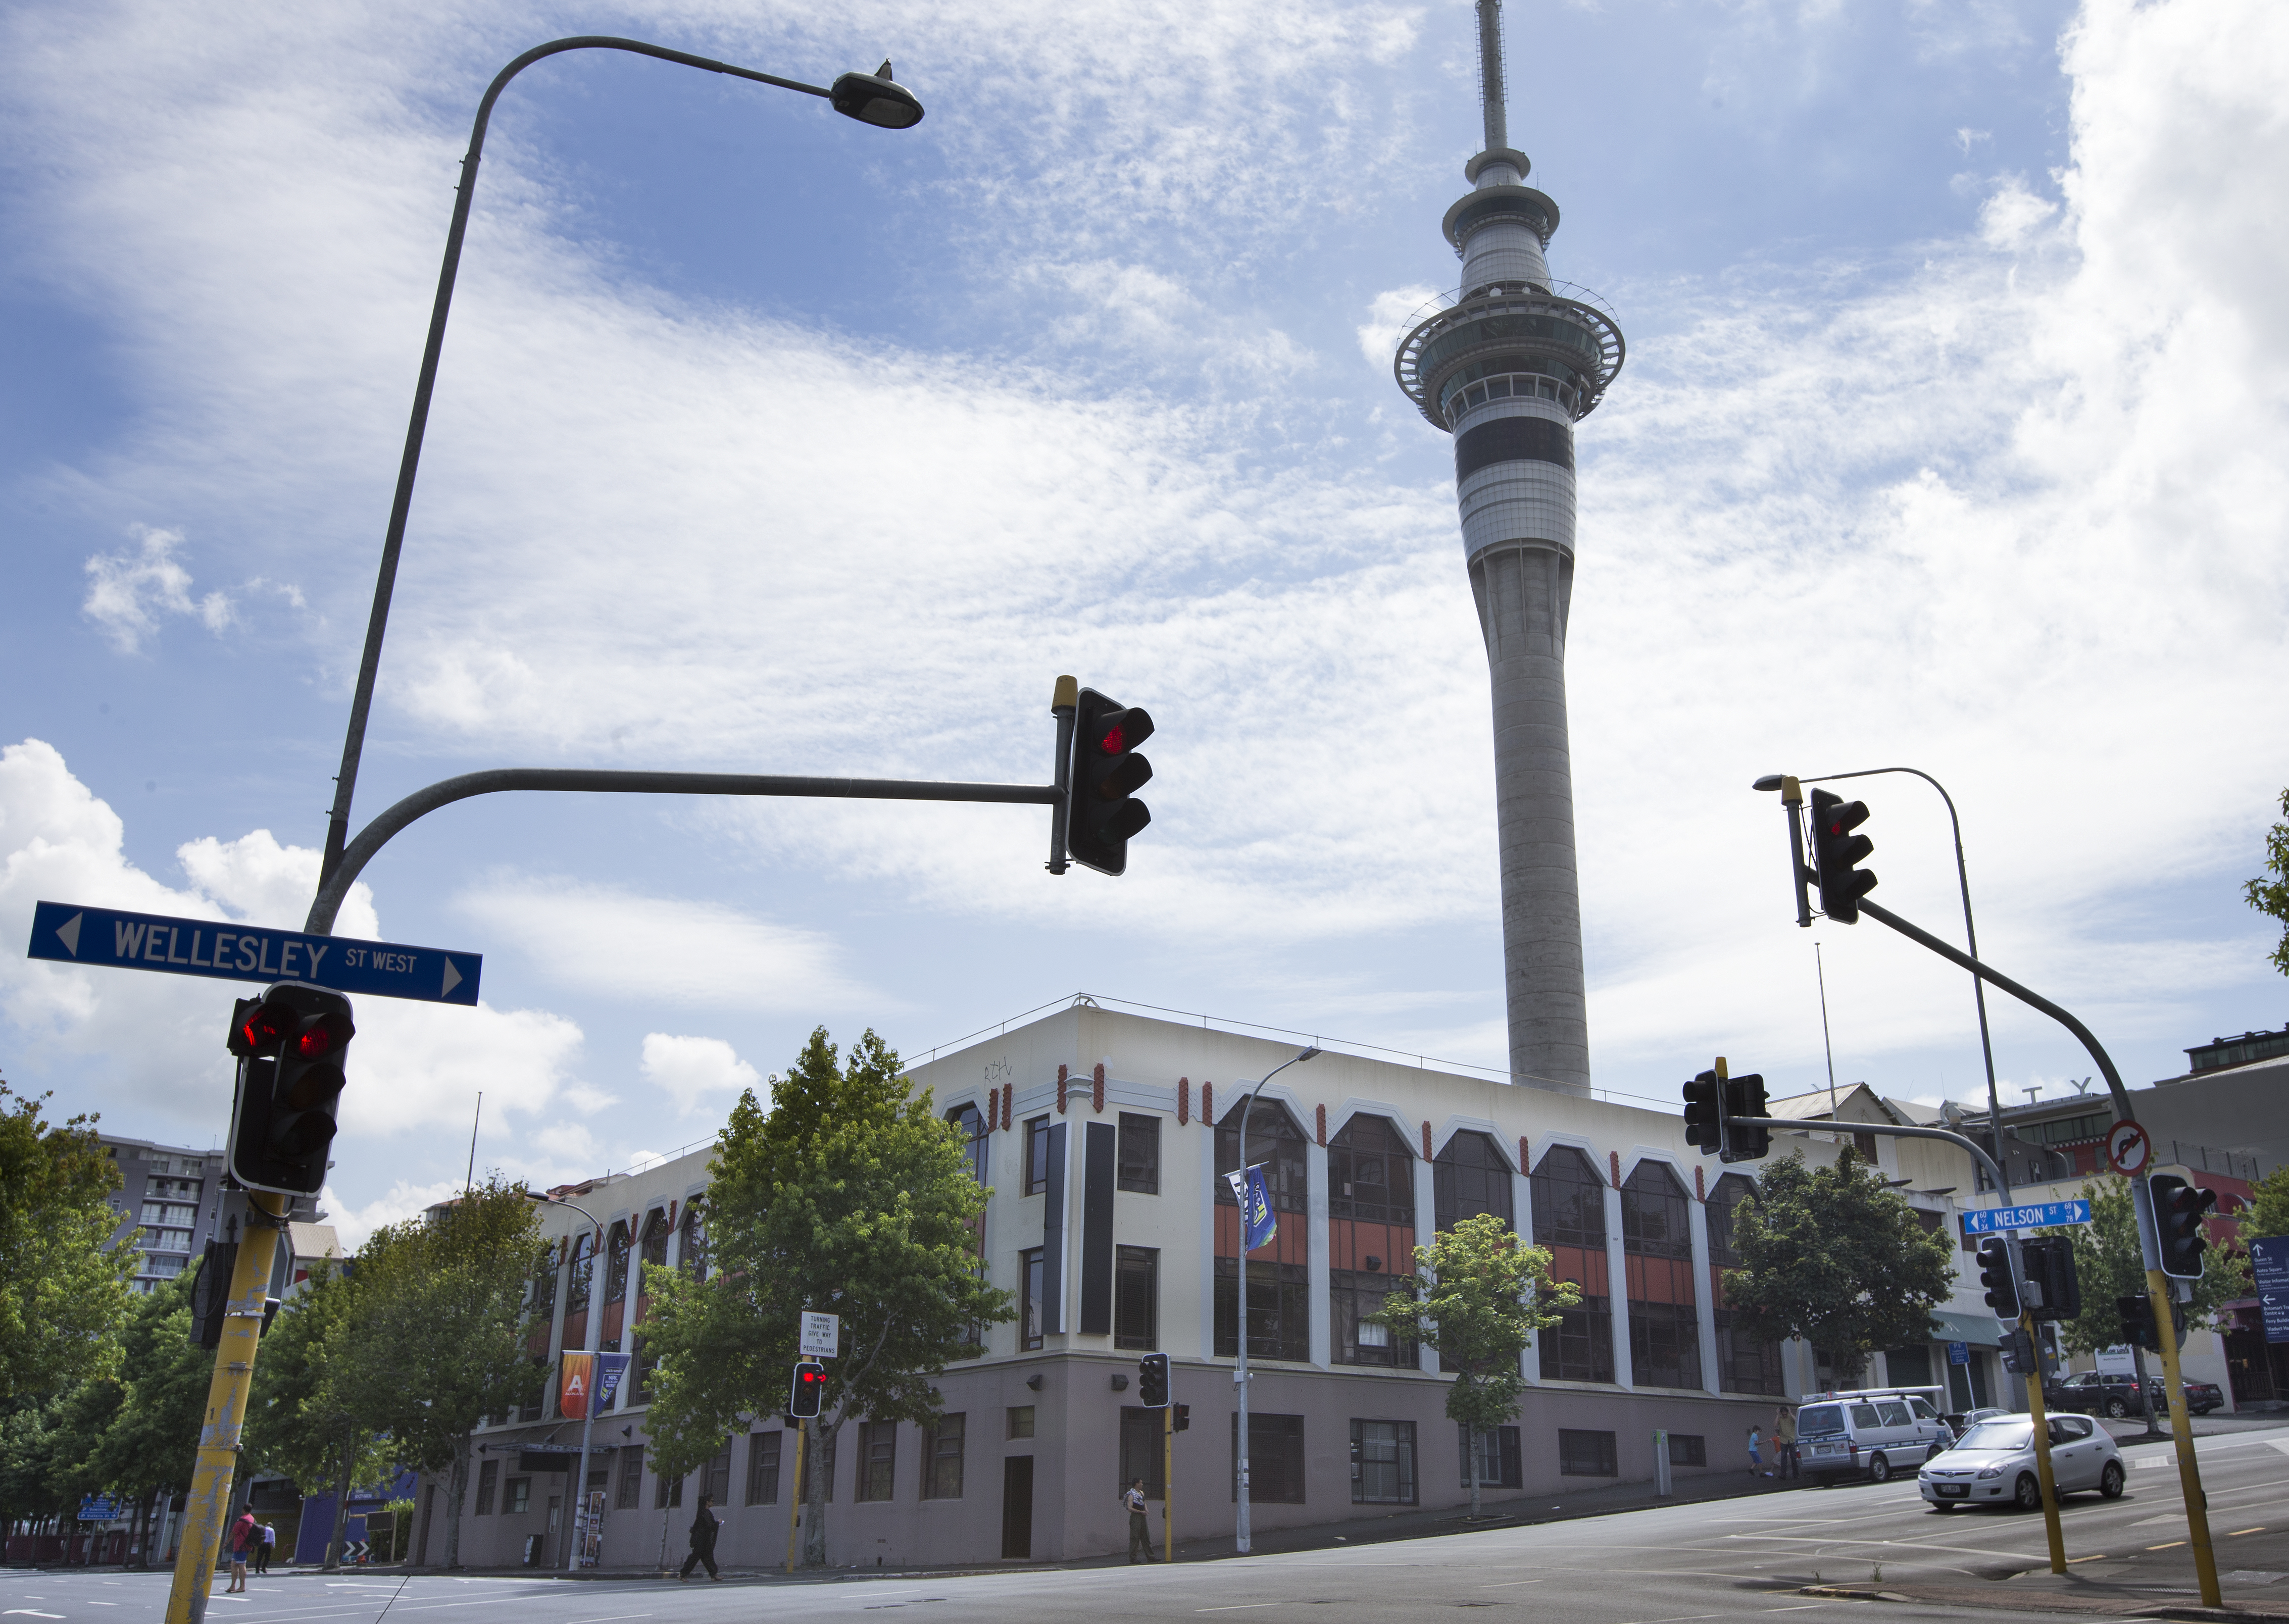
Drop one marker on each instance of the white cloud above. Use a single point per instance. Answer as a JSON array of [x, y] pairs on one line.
[[690, 1071], [128, 593], [1388, 318]]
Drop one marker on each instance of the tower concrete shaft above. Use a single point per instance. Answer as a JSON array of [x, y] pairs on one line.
[[1507, 364]]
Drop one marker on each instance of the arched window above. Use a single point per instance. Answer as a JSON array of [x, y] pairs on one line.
[[1370, 1238], [1569, 1218], [1469, 1178], [1657, 1247], [691, 1257], [615, 1288], [1278, 1274], [971, 1122], [1744, 1364], [578, 1282]]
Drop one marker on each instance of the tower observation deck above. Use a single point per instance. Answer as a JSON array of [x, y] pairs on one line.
[[1507, 365]]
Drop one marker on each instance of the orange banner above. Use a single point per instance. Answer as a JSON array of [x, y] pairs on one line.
[[572, 1397]]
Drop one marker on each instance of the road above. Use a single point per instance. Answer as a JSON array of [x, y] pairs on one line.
[[1723, 1561]]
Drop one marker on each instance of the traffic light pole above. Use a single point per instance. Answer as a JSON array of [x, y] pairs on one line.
[[206, 1509], [1168, 1477]]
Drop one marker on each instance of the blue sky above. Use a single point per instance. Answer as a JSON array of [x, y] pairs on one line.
[[767, 441]]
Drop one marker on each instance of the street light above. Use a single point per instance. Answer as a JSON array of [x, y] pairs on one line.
[[1240, 1368], [589, 1410], [872, 98]]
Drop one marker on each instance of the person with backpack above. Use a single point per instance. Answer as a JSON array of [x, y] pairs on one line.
[[704, 1528], [243, 1534]]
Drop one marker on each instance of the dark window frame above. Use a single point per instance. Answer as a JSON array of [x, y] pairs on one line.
[[1138, 1161], [1470, 1177], [941, 1468], [1509, 1463], [1569, 1211], [1143, 1451], [1276, 1460], [1368, 1156], [1136, 1298], [1031, 1332], [1405, 1464], [488, 1482], [1582, 1453], [1037, 1156], [764, 1452], [970, 1123], [878, 1463], [627, 1494]]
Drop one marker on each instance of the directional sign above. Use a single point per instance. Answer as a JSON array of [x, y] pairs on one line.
[[2041, 1215], [1958, 1353], [2270, 1259], [2128, 1149], [100, 1508], [69, 934], [822, 1336]]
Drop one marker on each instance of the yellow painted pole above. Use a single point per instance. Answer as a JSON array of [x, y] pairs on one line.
[[207, 1508], [2182, 1427], [794, 1494], [1169, 1479], [2051, 1529]]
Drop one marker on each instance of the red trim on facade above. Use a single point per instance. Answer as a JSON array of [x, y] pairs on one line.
[[1208, 1104], [1009, 1090], [1524, 1162], [1613, 1159], [1060, 1091], [1096, 1096], [1426, 1142], [1321, 1113], [1184, 1100]]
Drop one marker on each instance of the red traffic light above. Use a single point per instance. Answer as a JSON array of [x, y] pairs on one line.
[[258, 1026], [312, 1043]]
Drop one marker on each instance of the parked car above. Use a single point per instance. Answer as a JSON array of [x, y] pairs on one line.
[[2097, 1392], [1870, 1435], [1993, 1464]]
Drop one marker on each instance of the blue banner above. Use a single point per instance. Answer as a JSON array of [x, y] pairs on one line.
[[2269, 1261], [2040, 1215], [610, 1368], [1261, 1223]]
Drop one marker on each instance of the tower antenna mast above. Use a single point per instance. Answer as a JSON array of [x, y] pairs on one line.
[[1490, 75]]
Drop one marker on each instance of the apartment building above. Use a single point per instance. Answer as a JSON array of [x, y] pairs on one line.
[[175, 1195]]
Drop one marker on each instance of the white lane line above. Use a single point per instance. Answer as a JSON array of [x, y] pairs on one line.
[[1240, 1606], [609, 1617], [1511, 1583]]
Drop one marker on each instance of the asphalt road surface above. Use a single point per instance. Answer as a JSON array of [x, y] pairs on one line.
[[1713, 1563]]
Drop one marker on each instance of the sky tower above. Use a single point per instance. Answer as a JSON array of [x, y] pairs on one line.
[[1508, 366]]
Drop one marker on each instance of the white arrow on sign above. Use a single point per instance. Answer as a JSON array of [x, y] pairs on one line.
[[67, 933], [452, 978]]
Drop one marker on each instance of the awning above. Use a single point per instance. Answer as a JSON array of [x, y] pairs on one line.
[[1979, 1330]]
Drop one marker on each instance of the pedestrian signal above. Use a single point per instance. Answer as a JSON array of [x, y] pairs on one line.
[[810, 1387]]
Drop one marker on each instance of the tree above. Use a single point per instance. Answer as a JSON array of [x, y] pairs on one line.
[[433, 1335], [1479, 1296], [2272, 897], [63, 1297], [152, 1442], [293, 1421], [1832, 1255], [2109, 1265], [2268, 1212], [846, 1198]]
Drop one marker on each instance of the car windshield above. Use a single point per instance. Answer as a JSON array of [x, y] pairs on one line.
[[1999, 1435], [1819, 1420]]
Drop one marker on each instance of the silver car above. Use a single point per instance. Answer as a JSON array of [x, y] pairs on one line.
[[1994, 1464]]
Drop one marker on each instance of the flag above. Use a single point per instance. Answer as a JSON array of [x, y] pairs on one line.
[[572, 1397], [610, 1368], [1258, 1222]]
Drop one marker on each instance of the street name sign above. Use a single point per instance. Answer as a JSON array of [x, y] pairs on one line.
[[2040, 1215], [70, 933], [822, 1335], [2270, 1259]]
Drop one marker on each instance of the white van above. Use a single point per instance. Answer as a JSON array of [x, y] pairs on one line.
[[1876, 1434]]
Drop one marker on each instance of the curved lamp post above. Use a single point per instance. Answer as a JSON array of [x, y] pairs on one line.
[[1240, 1368], [588, 1411], [872, 98]]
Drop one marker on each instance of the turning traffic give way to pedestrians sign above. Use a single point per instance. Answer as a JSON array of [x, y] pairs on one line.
[[70, 933]]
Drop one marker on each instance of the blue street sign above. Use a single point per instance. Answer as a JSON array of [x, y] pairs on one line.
[[100, 1508], [69, 934], [2041, 1215], [2269, 1259], [1958, 1353]]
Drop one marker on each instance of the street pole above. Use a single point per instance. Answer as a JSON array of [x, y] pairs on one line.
[[795, 1492], [1169, 1478], [579, 1498], [1240, 1377], [206, 1508]]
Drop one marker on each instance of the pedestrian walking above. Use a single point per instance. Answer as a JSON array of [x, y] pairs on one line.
[[1785, 1461], [243, 1534], [1756, 1454], [1140, 1526], [703, 1527], [262, 1551]]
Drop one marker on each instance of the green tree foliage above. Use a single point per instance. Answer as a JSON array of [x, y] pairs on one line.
[[431, 1337], [1831, 1254], [293, 1421], [152, 1438], [2268, 1212], [1479, 1296], [2272, 897], [2108, 1265], [63, 1298], [846, 1198]]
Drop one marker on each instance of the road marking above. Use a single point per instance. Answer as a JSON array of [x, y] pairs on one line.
[[2280, 1444], [1239, 1606], [2100, 1557], [32, 1612], [2237, 1532], [2166, 1545], [1508, 1583], [610, 1619]]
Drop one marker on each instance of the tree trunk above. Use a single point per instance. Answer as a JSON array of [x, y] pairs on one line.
[[2145, 1397], [1474, 1473], [339, 1538], [457, 1487], [814, 1504]]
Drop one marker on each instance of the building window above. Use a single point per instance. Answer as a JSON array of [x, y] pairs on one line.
[[1744, 1364], [1029, 1299], [1278, 1277], [1037, 1156], [631, 1492], [1469, 1178], [718, 1477], [877, 1459], [666, 1492], [1657, 1247], [820, 1458], [1143, 1450], [488, 1481], [1370, 1240], [1371, 1176], [969, 1122], [519, 1498], [942, 1442], [1569, 1218], [1383, 1463], [1687, 1449], [1275, 1458], [763, 1467], [1021, 1422], [1140, 1153], [616, 1289], [1136, 1297], [1586, 1454], [1500, 1464], [691, 1257], [582, 1276]]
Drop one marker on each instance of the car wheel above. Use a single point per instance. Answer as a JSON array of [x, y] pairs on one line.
[[2115, 1408], [1942, 1505], [1880, 1469], [2029, 1496], [1935, 1452], [2110, 1481]]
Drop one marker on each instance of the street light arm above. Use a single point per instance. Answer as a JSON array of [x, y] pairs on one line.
[[410, 462]]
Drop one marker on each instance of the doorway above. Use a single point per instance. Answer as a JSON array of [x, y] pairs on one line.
[[1017, 1509]]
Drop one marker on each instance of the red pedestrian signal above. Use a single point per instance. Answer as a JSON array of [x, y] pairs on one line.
[[1837, 854], [810, 1387]]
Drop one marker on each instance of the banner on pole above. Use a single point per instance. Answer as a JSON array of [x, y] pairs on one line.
[[578, 1375], [610, 1368], [1258, 1222]]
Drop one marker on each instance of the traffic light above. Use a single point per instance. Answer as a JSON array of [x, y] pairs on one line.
[[1837, 853], [1704, 1113], [2137, 1317], [210, 1291], [291, 1043], [810, 1387], [2018, 1356], [1107, 772], [1153, 1381], [1995, 1274], [1744, 1097], [2051, 1272], [2179, 1210], [1183, 1417]]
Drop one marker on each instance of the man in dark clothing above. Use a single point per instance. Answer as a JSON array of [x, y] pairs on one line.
[[1140, 1527], [703, 1543]]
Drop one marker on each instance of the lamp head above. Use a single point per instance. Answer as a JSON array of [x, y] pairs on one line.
[[1770, 780], [1313, 1053], [875, 99]]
